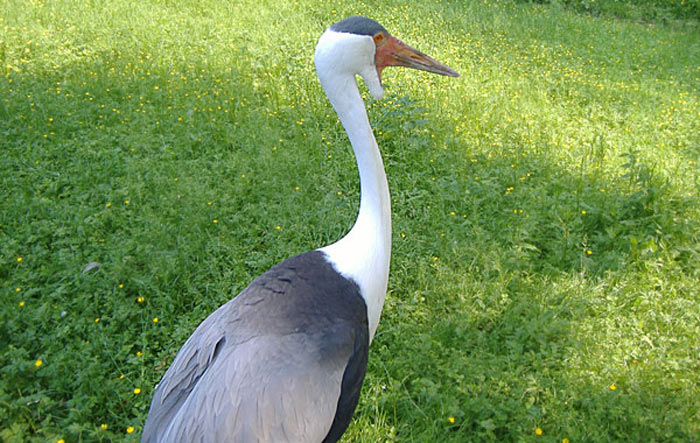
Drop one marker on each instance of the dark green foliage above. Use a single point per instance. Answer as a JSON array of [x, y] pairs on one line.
[[663, 10]]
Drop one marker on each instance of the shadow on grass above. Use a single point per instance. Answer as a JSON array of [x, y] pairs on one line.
[[109, 160]]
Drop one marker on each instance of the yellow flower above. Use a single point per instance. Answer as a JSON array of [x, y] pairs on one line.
[[130, 429], [21, 303], [538, 431], [451, 419], [17, 289], [589, 252], [121, 285], [19, 259], [453, 213], [139, 354], [103, 426], [612, 387], [38, 363], [155, 319], [60, 440], [126, 202], [278, 227], [215, 221], [140, 300], [583, 212], [564, 440], [137, 391], [97, 320]]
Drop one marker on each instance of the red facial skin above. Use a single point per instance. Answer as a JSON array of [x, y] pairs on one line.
[[393, 52]]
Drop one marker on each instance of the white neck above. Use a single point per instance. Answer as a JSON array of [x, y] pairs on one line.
[[364, 253]]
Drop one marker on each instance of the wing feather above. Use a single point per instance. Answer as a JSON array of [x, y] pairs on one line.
[[284, 394], [259, 370]]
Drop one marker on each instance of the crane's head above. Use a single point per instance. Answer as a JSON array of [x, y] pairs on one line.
[[359, 45]]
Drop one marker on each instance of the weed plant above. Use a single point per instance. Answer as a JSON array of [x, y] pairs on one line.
[[157, 156]]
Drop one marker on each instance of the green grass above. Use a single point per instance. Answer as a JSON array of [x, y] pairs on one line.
[[546, 210], [643, 10]]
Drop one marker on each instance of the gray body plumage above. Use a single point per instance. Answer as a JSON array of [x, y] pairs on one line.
[[281, 362]]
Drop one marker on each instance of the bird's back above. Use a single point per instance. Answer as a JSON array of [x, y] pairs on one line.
[[283, 361]]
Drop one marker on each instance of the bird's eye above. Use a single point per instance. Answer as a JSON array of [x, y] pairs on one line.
[[378, 38]]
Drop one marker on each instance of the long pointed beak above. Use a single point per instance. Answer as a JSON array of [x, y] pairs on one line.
[[394, 52]]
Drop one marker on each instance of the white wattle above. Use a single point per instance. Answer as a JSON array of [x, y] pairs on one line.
[[364, 253]]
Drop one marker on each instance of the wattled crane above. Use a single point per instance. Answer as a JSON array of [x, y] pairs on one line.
[[284, 360]]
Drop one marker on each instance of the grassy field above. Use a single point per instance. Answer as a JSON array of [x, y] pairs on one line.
[[546, 263], [644, 10]]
